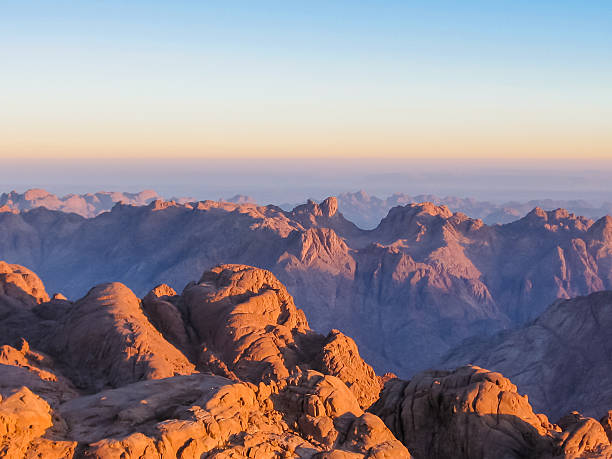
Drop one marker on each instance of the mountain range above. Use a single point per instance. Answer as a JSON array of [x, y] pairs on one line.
[[366, 211], [423, 280], [362, 209]]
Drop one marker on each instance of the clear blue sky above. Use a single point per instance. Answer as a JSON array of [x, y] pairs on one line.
[[260, 78]]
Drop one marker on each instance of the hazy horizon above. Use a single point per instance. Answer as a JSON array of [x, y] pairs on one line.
[[293, 180]]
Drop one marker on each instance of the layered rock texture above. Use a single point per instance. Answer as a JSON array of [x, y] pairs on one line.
[[230, 368], [425, 278]]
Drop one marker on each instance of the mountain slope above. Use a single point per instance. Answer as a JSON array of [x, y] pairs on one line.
[[562, 359]]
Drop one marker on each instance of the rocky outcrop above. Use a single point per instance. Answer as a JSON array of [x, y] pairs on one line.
[[251, 327], [35, 370], [130, 393], [606, 422], [339, 356], [20, 284], [247, 317], [166, 317], [474, 413], [20, 292], [562, 359], [106, 340], [24, 417]]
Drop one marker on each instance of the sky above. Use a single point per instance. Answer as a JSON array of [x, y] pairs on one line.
[[394, 80]]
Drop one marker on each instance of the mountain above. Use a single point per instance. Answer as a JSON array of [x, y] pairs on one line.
[[231, 368], [87, 205], [424, 279], [366, 211], [360, 208], [562, 359], [241, 199]]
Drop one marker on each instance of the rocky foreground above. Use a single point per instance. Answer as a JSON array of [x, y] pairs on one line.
[[230, 368]]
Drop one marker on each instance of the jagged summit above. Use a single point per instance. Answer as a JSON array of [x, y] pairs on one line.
[[555, 220], [418, 210], [327, 208]]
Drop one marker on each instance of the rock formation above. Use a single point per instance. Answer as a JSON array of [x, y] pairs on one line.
[[473, 413], [231, 368], [114, 376], [128, 348]]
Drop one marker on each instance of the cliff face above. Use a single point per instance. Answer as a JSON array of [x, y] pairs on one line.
[[231, 368], [426, 278]]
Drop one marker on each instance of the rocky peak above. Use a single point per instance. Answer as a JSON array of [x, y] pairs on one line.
[[329, 206], [21, 284], [8, 209], [415, 222], [602, 229], [160, 204], [159, 291], [556, 220], [36, 193], [424, 209]]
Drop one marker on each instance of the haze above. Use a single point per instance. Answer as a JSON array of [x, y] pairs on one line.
[[282, 181]]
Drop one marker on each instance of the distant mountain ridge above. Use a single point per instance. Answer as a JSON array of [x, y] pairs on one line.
[[359, 207], [423, 280], [87, 205], [366, 211]]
